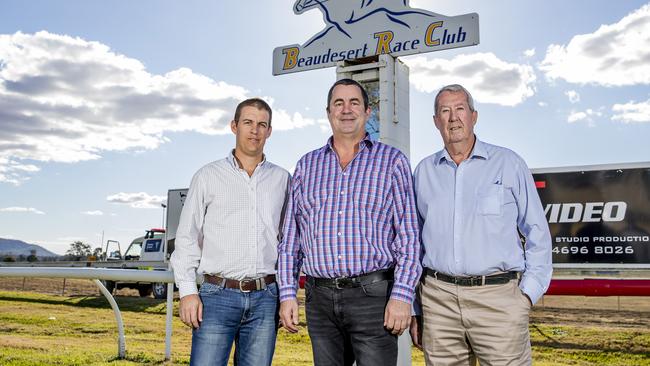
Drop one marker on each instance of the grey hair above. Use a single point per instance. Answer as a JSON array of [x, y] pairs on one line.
[[454, 88]]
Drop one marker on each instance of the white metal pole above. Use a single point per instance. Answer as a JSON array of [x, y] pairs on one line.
[[121, 342], [170, 319]]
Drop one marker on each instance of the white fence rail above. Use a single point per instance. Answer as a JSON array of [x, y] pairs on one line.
[[97, 274]]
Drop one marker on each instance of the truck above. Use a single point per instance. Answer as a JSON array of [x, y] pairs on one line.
[[148, 252]]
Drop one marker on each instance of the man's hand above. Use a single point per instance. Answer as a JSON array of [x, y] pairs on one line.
[[190, 310], [416, 331], [397, 316], [289, 315]]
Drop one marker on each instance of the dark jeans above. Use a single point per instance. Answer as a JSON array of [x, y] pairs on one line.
[[348, 324]]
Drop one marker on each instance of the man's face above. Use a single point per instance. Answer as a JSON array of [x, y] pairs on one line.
[[454, 119], [346, 113], [252, 130]]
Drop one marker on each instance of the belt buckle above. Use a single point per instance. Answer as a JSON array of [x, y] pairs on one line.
[[241, 283], [338, 281]]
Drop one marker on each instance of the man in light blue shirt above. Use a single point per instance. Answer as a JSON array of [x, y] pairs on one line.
[[477, 201]]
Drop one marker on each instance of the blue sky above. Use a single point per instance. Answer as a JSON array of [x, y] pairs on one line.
[[104, 106]]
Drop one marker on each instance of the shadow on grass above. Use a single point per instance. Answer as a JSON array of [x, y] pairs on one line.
[[142, 358], [138, 304]]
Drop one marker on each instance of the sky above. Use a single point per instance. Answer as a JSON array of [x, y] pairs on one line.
[[105, 105]]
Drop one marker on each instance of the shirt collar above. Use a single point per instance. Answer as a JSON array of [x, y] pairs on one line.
[[367, 141], [479, 151], [235, 164]]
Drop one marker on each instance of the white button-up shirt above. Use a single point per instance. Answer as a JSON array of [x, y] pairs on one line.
[[230, 223]]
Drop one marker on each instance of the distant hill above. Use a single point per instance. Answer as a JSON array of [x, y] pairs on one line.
[[18, 247]]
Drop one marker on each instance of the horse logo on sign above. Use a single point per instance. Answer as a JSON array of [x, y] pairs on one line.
[[357, 29]]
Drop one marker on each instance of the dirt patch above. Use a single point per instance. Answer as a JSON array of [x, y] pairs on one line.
[[614, 312]]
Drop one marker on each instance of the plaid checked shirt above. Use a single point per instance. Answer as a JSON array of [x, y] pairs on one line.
[[342, 223]]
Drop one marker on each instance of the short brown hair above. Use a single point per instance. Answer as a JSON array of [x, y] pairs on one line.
[[253, 102]]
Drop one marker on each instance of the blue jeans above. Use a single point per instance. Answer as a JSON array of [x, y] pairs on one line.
[[250, 319]]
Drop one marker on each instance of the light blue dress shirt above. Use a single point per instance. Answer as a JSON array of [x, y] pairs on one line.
[[471, 212]]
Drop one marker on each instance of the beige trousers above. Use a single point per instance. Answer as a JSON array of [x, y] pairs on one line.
[[462, 324]]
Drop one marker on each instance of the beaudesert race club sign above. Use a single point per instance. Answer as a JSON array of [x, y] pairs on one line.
[[362, 28]]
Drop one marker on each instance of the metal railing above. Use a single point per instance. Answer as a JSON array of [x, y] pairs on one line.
[[96, 274]]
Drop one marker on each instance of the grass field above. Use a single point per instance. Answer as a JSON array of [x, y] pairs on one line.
[[48, 329]]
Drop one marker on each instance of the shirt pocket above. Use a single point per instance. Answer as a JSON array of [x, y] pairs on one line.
[[489, 199]]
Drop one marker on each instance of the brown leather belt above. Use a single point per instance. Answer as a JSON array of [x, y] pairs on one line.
[[497, 279], [243, 285]]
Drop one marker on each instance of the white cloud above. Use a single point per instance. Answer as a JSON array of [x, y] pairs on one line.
[[586, 115], [632, 112], [65, 99], [573, 96], [529, 52], [614, 55], [282, 120], [542, 104], [22, 209], [12, 171], [576, 116], [489, 79], [137, 200], [93, 213]]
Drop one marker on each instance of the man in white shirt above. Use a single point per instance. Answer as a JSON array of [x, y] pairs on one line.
[[229, 232]]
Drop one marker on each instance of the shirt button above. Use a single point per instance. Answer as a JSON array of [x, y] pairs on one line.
[[339, 257], [340, 212], [342, 192], [339, 233]]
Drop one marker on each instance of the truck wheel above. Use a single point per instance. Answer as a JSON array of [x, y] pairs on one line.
[[159, 290], [145, 290], [110, 285]]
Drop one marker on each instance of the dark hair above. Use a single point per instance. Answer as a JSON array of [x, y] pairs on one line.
[[253, 102], [347, 82]]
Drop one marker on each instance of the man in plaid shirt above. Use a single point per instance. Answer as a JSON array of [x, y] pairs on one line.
[[351, 226]]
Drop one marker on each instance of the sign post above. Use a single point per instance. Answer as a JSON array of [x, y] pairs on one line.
[[363, 40]]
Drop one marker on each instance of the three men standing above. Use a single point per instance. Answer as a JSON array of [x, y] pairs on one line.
[[229, 232], [480, 280], [351, 226]]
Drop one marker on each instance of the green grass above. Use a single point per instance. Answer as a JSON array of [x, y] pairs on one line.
[[38, 329], [565, 345]]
